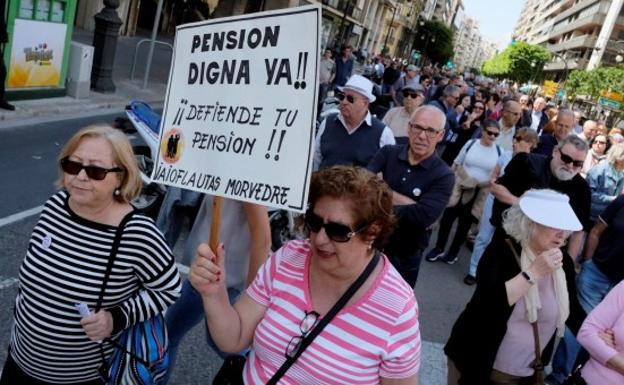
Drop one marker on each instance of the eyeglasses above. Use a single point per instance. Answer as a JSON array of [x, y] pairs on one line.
[[491, 133], [337, 232], [518, 139], [478, 108], [412, 95], [308, 323], [511, 112], [600, 142], [567, 159], [417, 129], [93, 172], [340, 96]]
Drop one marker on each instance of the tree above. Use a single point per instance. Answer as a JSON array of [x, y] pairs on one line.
[[441, 49], [519, 62], [591, 83]]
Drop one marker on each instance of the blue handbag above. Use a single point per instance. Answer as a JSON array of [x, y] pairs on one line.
[[141, 356]]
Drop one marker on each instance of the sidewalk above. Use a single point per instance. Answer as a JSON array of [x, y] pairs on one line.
[[60, 108]]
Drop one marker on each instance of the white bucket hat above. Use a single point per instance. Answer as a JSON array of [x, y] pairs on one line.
[[361, 85], [550, 208]]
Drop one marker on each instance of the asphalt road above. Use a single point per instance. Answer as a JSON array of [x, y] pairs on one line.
[[28, 174]]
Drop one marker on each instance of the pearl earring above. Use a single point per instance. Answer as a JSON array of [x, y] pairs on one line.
[[117, 191]]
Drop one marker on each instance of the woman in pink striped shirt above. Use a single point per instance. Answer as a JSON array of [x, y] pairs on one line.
[[602, 334], [373, 339]]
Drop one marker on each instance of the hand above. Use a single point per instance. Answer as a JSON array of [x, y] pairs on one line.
[[608, 337], [546, 263], [98, 326], [207, 273]]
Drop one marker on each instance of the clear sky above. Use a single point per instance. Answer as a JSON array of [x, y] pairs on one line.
[[497, 18]]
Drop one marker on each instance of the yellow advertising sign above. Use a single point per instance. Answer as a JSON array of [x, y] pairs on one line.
[[549, 88], [36, 58], [612, 95]]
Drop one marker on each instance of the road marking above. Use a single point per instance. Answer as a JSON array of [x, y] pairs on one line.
[[5, 283], [19, 216]]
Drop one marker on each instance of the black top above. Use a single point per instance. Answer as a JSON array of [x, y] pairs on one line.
[[527, 119], [546, 145], [609, 255], [481, 327], [527, 171], [429, 183], [456, 139]]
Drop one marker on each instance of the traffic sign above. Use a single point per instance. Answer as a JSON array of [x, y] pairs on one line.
[[609, 103]]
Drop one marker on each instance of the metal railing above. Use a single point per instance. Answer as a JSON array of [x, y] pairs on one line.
[[136, 50]]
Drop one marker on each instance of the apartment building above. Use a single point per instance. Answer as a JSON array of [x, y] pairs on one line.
[[471, 49], [579, 33]]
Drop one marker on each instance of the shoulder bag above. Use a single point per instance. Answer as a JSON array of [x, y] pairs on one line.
[[141, 356], [231, 373]]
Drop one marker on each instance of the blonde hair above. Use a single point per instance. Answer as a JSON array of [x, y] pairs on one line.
[[123, 157], [615, 153]]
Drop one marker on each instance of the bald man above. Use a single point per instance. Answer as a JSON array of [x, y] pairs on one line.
[[564, 124], [535, 117]]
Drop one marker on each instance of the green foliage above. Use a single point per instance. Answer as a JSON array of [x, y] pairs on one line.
[[440, 50], [582, 82], [515, 62]]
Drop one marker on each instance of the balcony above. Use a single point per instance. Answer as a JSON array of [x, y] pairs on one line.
[[572, 10], [559, 65], [342, 5], [595, 19], [582, 41]]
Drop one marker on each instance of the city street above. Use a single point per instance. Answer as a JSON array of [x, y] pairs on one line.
[[28, 173]]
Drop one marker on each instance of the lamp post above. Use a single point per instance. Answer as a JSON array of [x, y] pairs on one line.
[[107, 24], [385, 48]]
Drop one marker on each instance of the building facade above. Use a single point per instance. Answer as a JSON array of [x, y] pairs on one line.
[[471, 49], [580, 34]]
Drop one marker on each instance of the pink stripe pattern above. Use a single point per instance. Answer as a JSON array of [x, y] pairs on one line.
[[378, 336]]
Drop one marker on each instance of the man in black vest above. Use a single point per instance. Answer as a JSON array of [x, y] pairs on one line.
[[353, 136]]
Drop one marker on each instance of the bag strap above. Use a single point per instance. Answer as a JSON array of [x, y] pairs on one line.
[[537, 364], [112, 256], [307, 340]]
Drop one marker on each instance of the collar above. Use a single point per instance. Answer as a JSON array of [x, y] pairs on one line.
[[426, 163], [368, 119], [503, 127]]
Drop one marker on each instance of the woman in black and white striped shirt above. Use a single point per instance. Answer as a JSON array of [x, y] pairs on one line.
[[66, 260]]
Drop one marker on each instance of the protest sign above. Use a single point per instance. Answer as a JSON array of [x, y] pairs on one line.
[[239, 113]]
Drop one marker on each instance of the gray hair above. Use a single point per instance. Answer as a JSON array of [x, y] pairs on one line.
[[565, 111], [449, 90], [433, 110], [517, 225], [615, 153], [574, 140]]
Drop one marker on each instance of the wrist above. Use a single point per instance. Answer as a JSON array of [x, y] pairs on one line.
[[529, 276]]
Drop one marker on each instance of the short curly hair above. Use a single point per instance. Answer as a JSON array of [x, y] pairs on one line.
[[369, 196]]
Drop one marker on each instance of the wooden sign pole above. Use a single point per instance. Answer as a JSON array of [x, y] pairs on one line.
[[217, 206]]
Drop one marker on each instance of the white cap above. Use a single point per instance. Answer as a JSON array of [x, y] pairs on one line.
[[550, 208], [361, 85]]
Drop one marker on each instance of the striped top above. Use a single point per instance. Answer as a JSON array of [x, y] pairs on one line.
[[65, 265], [377, 336]]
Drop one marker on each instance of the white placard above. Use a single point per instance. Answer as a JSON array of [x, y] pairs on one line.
[[240, 110]]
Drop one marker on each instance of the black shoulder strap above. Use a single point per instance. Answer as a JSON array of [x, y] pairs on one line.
[[307, 340], [111, 259]]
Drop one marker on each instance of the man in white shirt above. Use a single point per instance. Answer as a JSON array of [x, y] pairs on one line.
[[512, 111]]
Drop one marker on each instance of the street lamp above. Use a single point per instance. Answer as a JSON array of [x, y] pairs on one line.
[[389, 28]]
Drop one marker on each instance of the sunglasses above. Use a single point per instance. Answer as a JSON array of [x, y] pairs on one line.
[[93, 172], [512, 113], [337, 232], [567, 159], [477, 108], [491, 133], [350, 98], [412, 95]]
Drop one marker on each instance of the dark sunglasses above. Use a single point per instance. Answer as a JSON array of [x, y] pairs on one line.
[[340, 96], [478, 108], [567, 159], [491, 133], [337, 232], [409, 94], [93, 172]]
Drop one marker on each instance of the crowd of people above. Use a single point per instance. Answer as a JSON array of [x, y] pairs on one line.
[[539, 190]]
